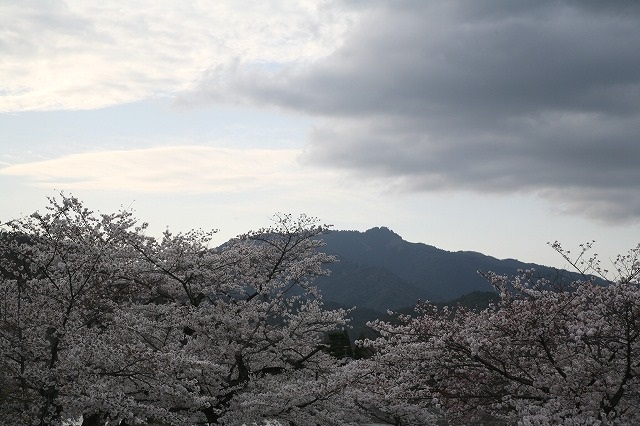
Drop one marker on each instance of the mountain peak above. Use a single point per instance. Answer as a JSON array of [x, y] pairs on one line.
[[382, 232]]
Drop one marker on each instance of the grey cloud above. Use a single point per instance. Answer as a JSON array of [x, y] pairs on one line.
[[494, 96], [42, 21]]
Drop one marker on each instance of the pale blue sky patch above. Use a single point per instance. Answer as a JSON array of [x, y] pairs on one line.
[[146, 124]]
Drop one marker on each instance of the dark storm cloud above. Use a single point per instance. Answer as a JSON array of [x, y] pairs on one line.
[[488, 96]]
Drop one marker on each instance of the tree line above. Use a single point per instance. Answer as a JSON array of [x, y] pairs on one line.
[[103, 324]]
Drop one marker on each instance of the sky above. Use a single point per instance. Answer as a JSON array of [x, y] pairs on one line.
[[494, 126]]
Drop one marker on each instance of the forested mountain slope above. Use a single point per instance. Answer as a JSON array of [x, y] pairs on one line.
[[379, 270]]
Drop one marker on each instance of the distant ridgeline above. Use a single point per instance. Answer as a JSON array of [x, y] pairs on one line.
[[378, 270]]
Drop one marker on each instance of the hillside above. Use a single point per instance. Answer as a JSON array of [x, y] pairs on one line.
[[379, 270]]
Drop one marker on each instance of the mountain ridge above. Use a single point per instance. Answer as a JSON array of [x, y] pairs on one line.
[[379, 270]]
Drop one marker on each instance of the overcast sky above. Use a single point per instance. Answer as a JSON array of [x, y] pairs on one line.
[[494, 126]]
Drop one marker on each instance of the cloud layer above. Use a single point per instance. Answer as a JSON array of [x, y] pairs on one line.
[[184, 169], [78, 54], [487, 96]]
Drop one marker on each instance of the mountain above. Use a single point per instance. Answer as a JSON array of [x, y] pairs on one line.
[[379, 270]]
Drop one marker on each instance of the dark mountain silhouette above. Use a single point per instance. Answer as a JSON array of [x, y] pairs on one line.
[[378, 270]]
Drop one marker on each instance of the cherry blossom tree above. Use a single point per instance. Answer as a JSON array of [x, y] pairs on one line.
[[543, 354], [105, 325], [62, 278], [102, 323]]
